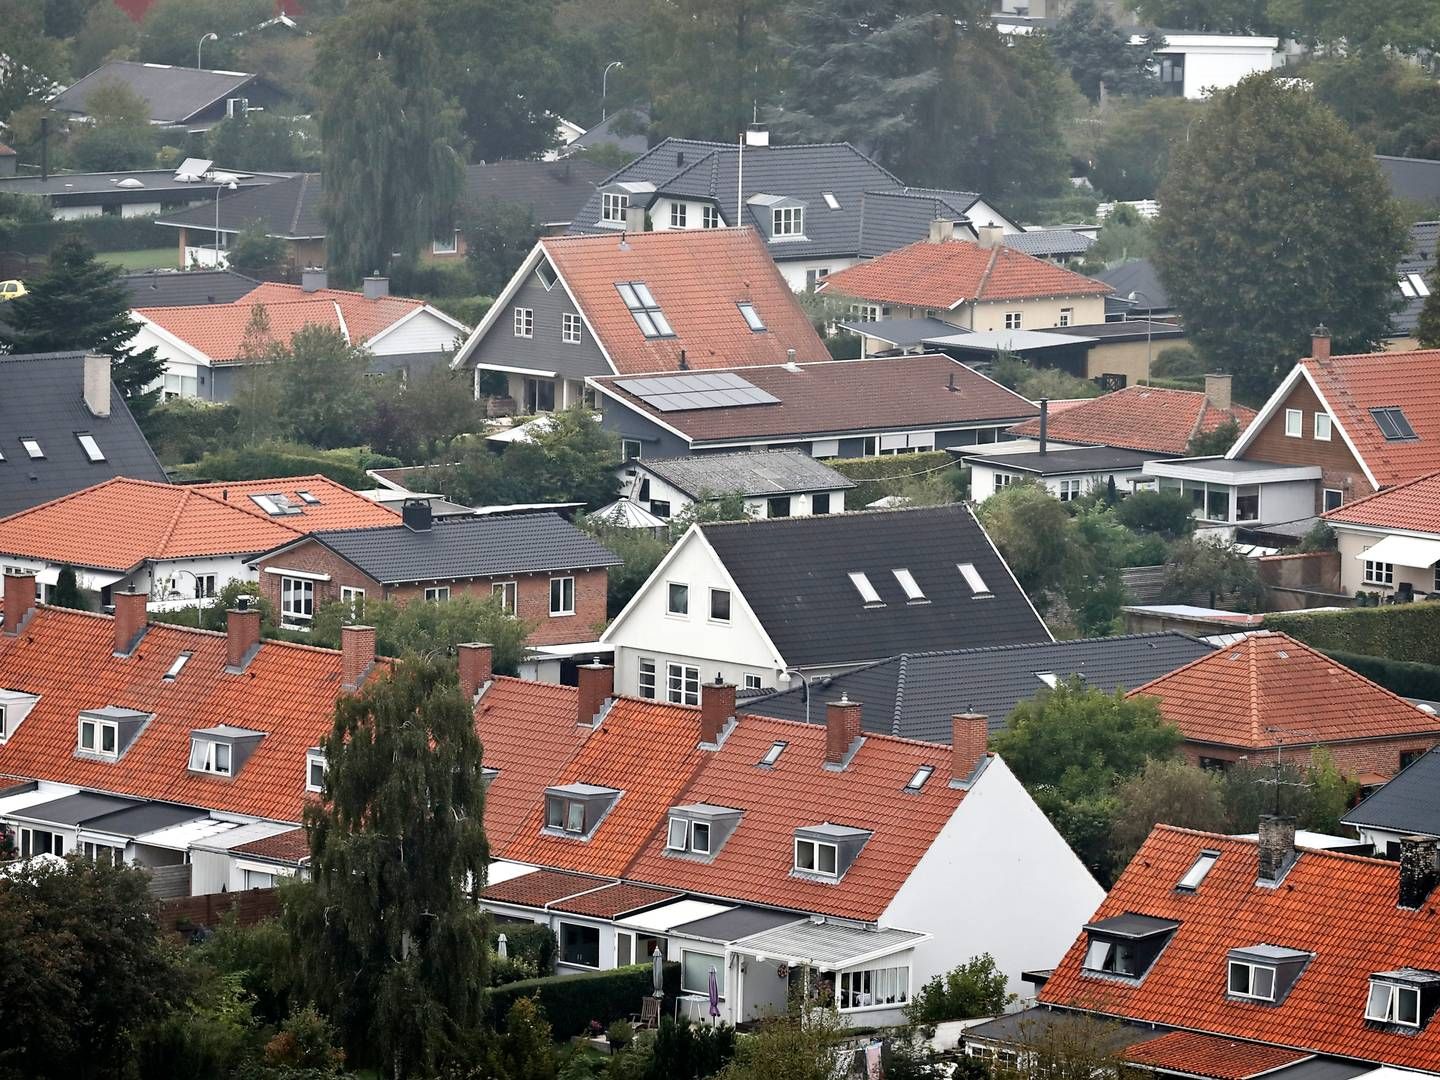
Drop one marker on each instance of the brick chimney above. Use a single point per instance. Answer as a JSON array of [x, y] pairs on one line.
[[19, 601], [130, 620], [1320, 342], [97, 385], [597, 684], [242, 635], [717, 706], [842, 728], [1418, 870], [357, 655], [969, 742], [1277, 846], [941, 230], [477, 661], [1217, 391]]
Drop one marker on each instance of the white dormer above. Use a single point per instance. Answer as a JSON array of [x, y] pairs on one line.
[[107, 733], [315, 767], [14, 707], [782, 215], [617, 198], [222, 750]]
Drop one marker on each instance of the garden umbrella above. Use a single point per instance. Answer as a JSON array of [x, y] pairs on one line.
[[657, 971], [714, 993]]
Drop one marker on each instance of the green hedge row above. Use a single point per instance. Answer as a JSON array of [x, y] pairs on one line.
[[888, 467], [1398, 676], [1399, 632], [572, 1001], [345, 466], [101, 233]]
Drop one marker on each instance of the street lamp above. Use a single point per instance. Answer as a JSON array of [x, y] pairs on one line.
[[224, 182], [199, 45], [801, 676], [1149, 326], [199, 607], [605, 85]]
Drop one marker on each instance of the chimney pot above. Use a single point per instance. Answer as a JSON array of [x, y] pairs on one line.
[[1320, 342], [19, 601], [97, 384], [597, 685], [374, 287], [717, 706], [1217, 391], [1276, 846], [942, 230], [969, 743], [242, 634], [357, 655], [130, 620], [477, 659], [1418, 869], [842, 728]]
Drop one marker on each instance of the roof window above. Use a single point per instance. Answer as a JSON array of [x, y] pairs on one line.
[[308, 498], [275, 504], [1126, 945], [773, 754], [908, 583], [752, 317], [32, 447], [178, 666], [1196, 874], [830, 200], [1413, 286], [923, 773], [90, 446], [866, 590], [643, 308], [699, 829], [973, 579], [576, 810], [1049, 678], [1392, 424], [107, 733]]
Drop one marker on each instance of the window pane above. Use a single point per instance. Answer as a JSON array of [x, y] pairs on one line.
[[679, 599], [720, 604], [554, 813], [1239, 978], [695, 972], [575, 817], [805, 854], [678, 830], [624, 949], [1262, 982], [1407, 1005], [1378, 1005], [222, 757], [700, 838], [107, 738], [580, 945], [825, 858], [87, 736]]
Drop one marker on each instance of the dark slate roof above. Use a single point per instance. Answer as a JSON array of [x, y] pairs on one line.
[[1066, 462], [736, 923], [754, 473], [632, 120], [76, 809], [287, 208], [1419, 258], [1125, 329], [144, 818], [1137, 275], [903, 333], [793, 573], [42, 394], [914, 695], [1409, 803], [186, 288], [1411, 178], [468, 547], [73, 187], [553, 191], [892, 218], [1043, 243], [174, 94]]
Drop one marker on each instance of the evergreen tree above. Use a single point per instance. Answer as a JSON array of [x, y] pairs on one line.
[[79, 304], [1427, 330], [393, 153], [1246, 241], [387, 933], [1088, 43], [67, 591]]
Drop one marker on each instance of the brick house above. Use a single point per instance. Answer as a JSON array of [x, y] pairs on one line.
[[547, 572], [1268, 693]]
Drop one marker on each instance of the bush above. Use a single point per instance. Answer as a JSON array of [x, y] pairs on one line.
[[620, 1034], [186, 429], [466, 309], [572, 1001], [1398, 632], [1165, 513], [974, 989], [877, 477], [1398, 676], [1178, 362], [345, 465], [532, 942], [432, 279]]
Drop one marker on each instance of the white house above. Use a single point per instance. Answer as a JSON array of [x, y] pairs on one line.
[[1066, 473], [773, 483], [1196, 65], [1390, 542]]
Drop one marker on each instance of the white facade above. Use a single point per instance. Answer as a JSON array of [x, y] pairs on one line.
[[1217, 61], [986, 479], [1408, 559], [1228, 492], [169, 583], [672, 501]]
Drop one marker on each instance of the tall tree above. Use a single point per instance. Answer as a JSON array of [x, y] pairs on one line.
[[1246, 241], [120, 136], [172, 28], [1389, 101], [1087, 42], [1133, 155], [387, 932], [79, 304], [393, 153], [1427, 330], [31, 64], [1208, 16], [325, 392], [1407, 26]]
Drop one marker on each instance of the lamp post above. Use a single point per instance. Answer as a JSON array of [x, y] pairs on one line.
[[199, 608], [801, 676], [1149, 327], [200, 45], [226, 184], [605, 86]]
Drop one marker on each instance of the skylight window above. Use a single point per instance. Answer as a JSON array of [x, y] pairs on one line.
[[773, 754], [908, 583], [1196, 874], [973, 579], [866, 590], [1413, 285], [32, 447], [90, 446], [830, 200], [643, 309], [1049, 678], [923, 773], [308, 498], [274, 504], [1392, 423], [752, 317], [178, 666]]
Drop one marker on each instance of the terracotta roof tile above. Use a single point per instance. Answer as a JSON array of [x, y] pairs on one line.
[[1413, 506], [1341, 908], [697, 278], [1138, 418], [1269, 688], [288, 847], [616, 900], [942, 276], [541, 887], [1195, 1054], [335, 506]]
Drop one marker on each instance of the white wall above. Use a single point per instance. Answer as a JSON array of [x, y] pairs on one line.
[[794, 270], [998, 879], [210, 872], [1215, 62], [1353, 543], [75, 213], [139, 209], [982, 481], [422, 334], [225, 568], [801, 504]]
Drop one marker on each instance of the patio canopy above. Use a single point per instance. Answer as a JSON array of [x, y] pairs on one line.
[[828, 945], [1403, 551]]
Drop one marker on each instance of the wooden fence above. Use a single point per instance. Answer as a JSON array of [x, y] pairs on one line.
[[188, 912]]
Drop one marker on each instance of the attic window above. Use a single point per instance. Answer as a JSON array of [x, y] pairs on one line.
[[222, 750], [1392, 424], [830, 200], [866, 590], [576, 810], [752, 317], [546, 273], [908, 583], [32, 447], [210, 756], [773, 754], [1251, 981], [826, 851], [923, 773], [1126, 945], [699, 829], [315, 766], [1413, 285], [90, 446], [308, 498], [178, 666], [973, 579], [1049, 678], [1196, 874], [1392, 1003], [644, 309], [613, 205]]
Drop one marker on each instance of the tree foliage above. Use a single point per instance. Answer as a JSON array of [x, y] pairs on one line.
[[319, 378], [572, 459], [67, 591], [1246, 242], [254, 251], [1169, 792], [1208, 16], [497, 240], [1166, 513], [788, 1048], [1427, 328], [1096, 52], [974, 989], [33, 65], [1133, 154], [172, 28], [391, 944], [263, 140], [1215, 442], [1387, 101], [417, 627], [1203, 565]]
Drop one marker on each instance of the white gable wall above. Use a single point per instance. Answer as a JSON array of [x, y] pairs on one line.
[[422, 333], [997, 879]]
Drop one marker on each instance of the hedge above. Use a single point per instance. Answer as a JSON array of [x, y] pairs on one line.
[[1403, 632], [572, 1001], [1398, 676], [877, 477], [103, 233]]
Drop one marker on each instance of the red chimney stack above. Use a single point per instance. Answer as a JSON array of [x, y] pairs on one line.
[[477, 660], [597, 682], [130, 620], [1320, 343], [842, 728], [357, 655], [969, 743], [19, 601], [717, 706], [242, 635]]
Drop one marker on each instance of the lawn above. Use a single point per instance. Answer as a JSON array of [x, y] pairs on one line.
[[143, 259]]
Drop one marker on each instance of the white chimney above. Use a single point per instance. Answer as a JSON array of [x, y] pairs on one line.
[[989, 236], [941, 230], [757, 135], [97, 384], [375, 287], [635, 219], [313, 279]]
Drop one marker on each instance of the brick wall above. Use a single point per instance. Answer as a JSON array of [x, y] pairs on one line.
[[1338, 467], [1380, 757], [314, 558]]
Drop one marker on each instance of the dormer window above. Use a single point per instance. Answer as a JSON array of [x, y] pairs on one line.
[[788, 221], [1406, 998], [1198, 869], [815, 857], [1126, 945], [315, 766], [107, 733], [1264, 972], [699, 829], [1249, 980], [613, 205], [222, 750], [14, 706], [210, 757], [576, 810], [826, 851]]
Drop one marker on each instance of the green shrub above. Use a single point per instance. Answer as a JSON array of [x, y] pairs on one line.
[[1398, 676], [620, 1034], [186, 429], [532, 942], [345, 465], [1178, 362], [877, 477], [976, 988], [453, 278], [104, 233], [1398, 632], [466, 309], [572, 1001], [1163, 513]]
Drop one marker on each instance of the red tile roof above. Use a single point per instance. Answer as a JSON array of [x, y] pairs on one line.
[[1341, 908], [144, 520], [287, 847], [1352, 385], [287, 691], [616, 900], [541, 887], [926, 275], [1413, 506], [1269, 688], [697, 278], [1139, 418], [1195, 1054]]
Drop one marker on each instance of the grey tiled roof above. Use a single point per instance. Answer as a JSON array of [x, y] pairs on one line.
[[186, 288], [794, 574], [286, 208], [468, 547], [1420, 258], [603, 133], [553, 191], [174, 94], [1046, 242], [1411, 178], [892, 218], [914, 695], [1086, 459], [764, 472], [1137, 275], [1410, 803], [42, 395]]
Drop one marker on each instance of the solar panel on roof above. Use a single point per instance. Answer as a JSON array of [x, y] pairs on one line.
[[703, 390]]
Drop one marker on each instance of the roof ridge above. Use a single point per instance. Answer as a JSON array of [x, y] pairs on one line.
[[1250, 841], [899, 695], [848, 515], [1252, 657]]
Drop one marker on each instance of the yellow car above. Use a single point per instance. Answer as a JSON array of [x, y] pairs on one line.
[[9, 290]]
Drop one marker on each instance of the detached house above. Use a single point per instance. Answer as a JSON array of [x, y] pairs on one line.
[[1407, 806], [633, 304], [758, 601], [195, 99], [1390, 542], [773, 483]]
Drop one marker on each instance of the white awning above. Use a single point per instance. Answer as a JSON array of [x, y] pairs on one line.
[[828, 945], [307, 575], [663, 919], [1403, 551]]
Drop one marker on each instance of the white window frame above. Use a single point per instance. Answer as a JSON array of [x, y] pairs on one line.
[[205, 757], [645, 676], [99, 729], [891, 982], [91, 447], [32, 448], [354, 599], [973, 579], [566, 603], [1325, 496], [670, 611], [687, 841], [1379, 573], [1251, 970], [25, 842], [816, 847], [1005, 479], [571, 329], [751, 316], [1391, 1013], [91, 849], [682, 683], [729, 607], [752, 681], [524, 322], [626, 445], [4, 722], [437, 594], [314, 759], [1014, 319], [613, 205], [679, 215], [787, 221], [868, 593], [509, 594], [1067, 316], [709, 217], [1294, 424], [1070, 490], [1325, 424], [441, 247], [297, 599]]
